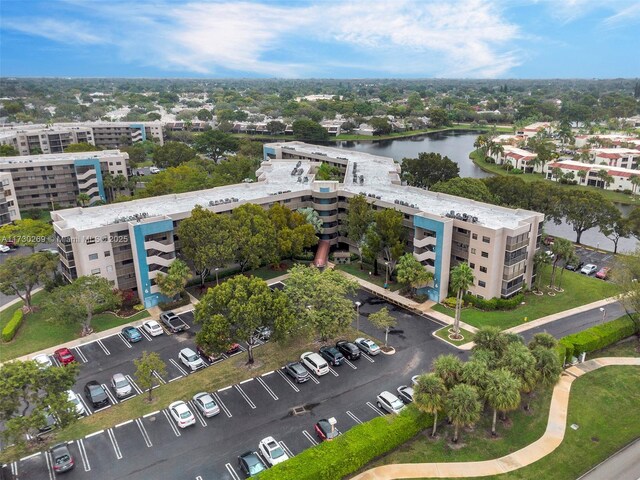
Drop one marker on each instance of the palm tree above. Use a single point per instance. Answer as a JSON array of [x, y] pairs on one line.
[[475, 372], [547, 365], [502, 393], [492, 339], [119, 182], [540, 259], [556, 172], [107, 182], [448, 367], [463, 407], [519, 360], [582, 174], [429, 396], [461, 279], [496, 149], [563, 249], [83, 199], [635, 181], [605, 178]]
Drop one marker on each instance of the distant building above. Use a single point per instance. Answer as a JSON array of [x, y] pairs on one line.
[[518, 158], [9, 210], [533, 129], [621, 176], [332, 127], [616, 157], [365, 129], [315, 98], [612, 139]]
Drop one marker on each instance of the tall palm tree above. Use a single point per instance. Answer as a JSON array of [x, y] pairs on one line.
[[540, 259], [448, 367], [635, 181], [463, 407], [547, 365], [475, 372], [461, 279], [563, 249], [83, 199], [582, 174], [502, 393], [492, 339], [429, 396], [496, 149], [119, 182], [519, 360]]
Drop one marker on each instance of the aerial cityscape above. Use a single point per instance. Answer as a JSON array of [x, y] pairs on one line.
[[304, 240]]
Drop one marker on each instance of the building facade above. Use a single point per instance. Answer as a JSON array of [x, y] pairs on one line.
[[9, 210], [130, 243]]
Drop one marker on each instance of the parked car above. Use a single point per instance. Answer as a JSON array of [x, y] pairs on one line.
[[589, 269], [315, 363], [94, 392], [325, 431], [251, 464], [603, 273], [64, 356], [263, 333], [272, 451], [154, 170], [348, 349], [296, 371], [153, 328], [206, 404], [50, 423], [235, 348], [121, 385], [173, 322], [182, 414], [332, 355], [61, 458], [414, 379], [191, 359], [367, 346], [53, 251], [405, 393], [574, 267], [548, 240], [214, 357], [131, 334], [43, 361], [388, 402], [73, 398]]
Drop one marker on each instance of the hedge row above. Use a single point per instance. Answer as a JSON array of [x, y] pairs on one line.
[[597, 337], [184, 300], [353, 449], [494, 303], [10, 329]]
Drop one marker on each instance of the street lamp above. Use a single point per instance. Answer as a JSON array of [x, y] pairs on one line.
[[604, 313], [358, 315], [386, 277], [217, 276]]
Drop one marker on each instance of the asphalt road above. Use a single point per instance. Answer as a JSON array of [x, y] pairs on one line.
[[623, 465], [19, 251]]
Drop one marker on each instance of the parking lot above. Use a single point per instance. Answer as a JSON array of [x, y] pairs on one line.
[[154, 447]]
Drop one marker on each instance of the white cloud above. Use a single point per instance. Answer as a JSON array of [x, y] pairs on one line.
[[58, 31], [628, 14]]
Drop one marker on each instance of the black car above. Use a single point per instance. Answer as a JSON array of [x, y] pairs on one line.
[[348, 349], [61, 458], [50, 423], [250, 464], [96, 394], [173, 322], [574, 267], [325, 431], [297, 371], [332, 355]]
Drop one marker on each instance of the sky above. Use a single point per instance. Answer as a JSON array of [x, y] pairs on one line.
[[320, 39]]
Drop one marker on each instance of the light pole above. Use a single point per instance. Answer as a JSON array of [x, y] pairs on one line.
[[358, 315], [604, 313], [217, 276], [386, 276]]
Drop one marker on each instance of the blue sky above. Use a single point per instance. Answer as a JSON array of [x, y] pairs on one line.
[[321, 39]]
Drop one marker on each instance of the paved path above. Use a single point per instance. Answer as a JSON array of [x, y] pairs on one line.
[[622, 465], [550, 440]]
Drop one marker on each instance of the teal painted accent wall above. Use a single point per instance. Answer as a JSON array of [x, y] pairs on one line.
[[95, 163], [140, 127], [139, 232], [428, 224], [268, 150], [325, 189]]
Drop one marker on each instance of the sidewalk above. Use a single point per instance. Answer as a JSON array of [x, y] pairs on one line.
[[550, 440], [16, 300]]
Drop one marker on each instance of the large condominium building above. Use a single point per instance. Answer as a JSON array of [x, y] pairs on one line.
[[35, 139], [130, 243], [40, 181], [9, 210]]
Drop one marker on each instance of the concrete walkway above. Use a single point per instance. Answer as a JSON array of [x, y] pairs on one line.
[[550, 440], [16, 300]]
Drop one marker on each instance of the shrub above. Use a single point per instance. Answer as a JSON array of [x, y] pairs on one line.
[[353, 449], [627, 191], [516, 171], [450, 302], [139, 307], [184, 300], [598, 337], [308, 255], [11, 328], [494, 303]]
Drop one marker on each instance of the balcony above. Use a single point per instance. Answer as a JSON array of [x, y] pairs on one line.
[[507, 276], [510, 261], [85, 175], [155, 245], [158, 260], [424, 255], [506, 292], [424, 242]]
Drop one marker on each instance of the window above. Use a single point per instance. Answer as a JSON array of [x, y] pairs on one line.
[[486, 239], [91, 241], [485, 254], [109, 269], [95, 271], [483, 269], [482, 284], [474, 236], [93, 256], [472, 266], [473, 251], [107, 254]]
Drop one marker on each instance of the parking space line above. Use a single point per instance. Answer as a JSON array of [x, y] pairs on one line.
[[162, 380], [350, 364], [144, 334], [197, 413], [94, 434], [24, 459], [151, 414], [124, 340], [222, 405], [110, 395], [171, 423], [175, 378], [14, 469], [291, 384], [267, 388], [104, 349], [49, 460], [54, 360], [143, 432], [333, 372], [114, 442], [83, 456], [84, 404], [375, 409], [367, 357], [225, 388], [265, 374], [286, 449], [103, 408], [246, 381], [182, 370], [134, 384], [124, 423], [231, 471], [314, 379], [310, 438], [242, 349], [245, 396], [80, 355], [353, 417]]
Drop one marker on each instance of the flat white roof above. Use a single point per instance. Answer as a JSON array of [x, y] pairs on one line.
[[61, 157], [618, 151]]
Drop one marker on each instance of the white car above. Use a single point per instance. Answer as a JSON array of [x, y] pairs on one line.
[[406, 393], [73, 398], [153, 328], [388, 402], [315, 363], [367, 346], [181, 414], [43, 360], [206, 404], [589, 269], [414, 379], [154, 170], [121, 385], [272, 451], [191, 359]]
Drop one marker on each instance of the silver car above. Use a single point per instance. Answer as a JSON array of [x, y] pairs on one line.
[[121, 385], [206, 404]]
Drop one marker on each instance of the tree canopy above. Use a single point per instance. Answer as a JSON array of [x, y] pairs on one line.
[[472, 188], [173, 154], [215, 143], [428, 169], [19, 275], [309, 130]]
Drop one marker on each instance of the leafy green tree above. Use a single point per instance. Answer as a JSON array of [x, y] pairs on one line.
[[81, 299], [584, 210], [463, 407], [204, 115], [148, 368], [359, 218], [232, 311], [319, 300], [412, 273], [429, 396], [438, 117], [615, 228], [380, 125], [172, 154], [255, 241], [502, 393], [327, 172], [20, 275], [175, 280], [475, 372], [386, 237], [215, 143], [293, 233], [312, 218], [428, 169], [384, 320], [449, 368], [519, 360], [138, 153], [275, 127], [81, 147], [26, 233], [461, 278], [309, 130], [8, 151], [473, 188]]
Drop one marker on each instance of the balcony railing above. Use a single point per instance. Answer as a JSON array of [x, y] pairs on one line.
[[515, 246], [505, 292], [509, 261]]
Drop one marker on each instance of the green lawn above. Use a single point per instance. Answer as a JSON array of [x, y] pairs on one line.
[[444, 334], [578, 290], [37, 333], [354, 269]]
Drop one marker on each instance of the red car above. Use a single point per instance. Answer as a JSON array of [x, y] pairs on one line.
[[214, 357], [603, 273], [64, 356]]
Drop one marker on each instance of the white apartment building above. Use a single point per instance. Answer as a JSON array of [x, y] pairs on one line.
[[518, 158], [621, 176], [616, 157], [9, 210]]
